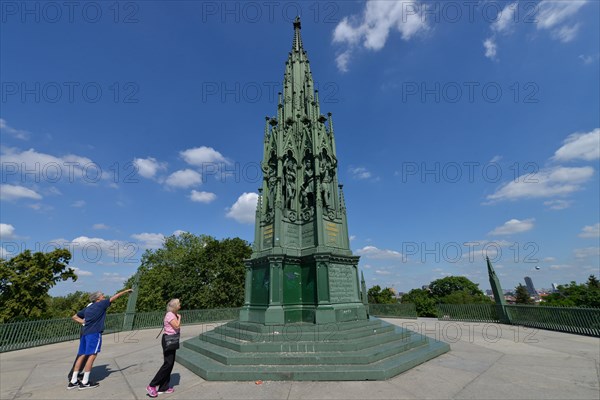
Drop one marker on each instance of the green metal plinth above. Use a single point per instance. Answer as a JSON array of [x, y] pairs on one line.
[[357, 350]]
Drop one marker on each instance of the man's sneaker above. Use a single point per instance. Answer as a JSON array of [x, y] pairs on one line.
[[151, 391], [89, 385], [168, 391], [72, 385]]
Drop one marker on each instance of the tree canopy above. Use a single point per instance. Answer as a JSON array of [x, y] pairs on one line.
[[26, 279], [448, 290], [378, 296], [522, 295], [574, 295], [201, 271]]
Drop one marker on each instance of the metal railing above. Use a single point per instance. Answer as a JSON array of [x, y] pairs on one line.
[[397, 310], [469, 312], [25, 334], [581, 321]]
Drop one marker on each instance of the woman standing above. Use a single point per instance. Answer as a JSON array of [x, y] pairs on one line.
[[171, 326]]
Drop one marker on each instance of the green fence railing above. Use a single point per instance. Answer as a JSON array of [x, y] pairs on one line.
[[397, 310], [25, 334], [581, 321], [468, 312]]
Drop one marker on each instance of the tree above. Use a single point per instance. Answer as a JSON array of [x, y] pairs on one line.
[[522, 295], [423, 301], [450, 284], [66, 306], [26, 279], [457, 290], [201, 271], [378, 296], [574, 295]]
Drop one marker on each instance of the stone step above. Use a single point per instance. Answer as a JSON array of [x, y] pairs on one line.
[[364, 356], [211, 369], [375, 338], [303, 332]]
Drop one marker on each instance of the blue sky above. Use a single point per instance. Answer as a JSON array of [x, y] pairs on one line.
[[462, 129]]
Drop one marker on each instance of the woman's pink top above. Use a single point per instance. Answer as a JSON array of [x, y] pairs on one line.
[[169, 330]]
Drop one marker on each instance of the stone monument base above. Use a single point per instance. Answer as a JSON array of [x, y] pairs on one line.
[[343, 351]]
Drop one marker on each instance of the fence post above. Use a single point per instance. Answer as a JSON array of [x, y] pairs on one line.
[[131, 301]]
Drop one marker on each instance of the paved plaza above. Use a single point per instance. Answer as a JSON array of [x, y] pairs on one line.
[[487, 361]]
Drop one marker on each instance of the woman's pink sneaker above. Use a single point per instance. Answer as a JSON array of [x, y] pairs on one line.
[[151, 391], [168, 391]]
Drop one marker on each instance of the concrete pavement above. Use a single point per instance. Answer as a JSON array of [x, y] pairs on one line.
[[487, 361]]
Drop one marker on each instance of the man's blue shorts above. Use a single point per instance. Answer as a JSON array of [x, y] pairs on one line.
[[90, 344]]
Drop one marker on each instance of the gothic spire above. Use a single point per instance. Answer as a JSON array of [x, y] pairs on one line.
[[297, 45]]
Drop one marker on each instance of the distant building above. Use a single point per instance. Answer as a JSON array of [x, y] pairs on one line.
[[554, 287], [530, 287]]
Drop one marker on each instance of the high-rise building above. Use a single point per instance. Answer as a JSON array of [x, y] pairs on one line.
[[530, 287]]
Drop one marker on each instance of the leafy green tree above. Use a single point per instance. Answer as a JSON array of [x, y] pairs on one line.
[[457, 290], [201, 271], [574, 295], [26, 279], [66, 306], [423, 300], [378, 296], [450, 284], [522, 295]]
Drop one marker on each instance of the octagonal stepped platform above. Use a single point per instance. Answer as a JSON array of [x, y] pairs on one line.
[[359, 350]]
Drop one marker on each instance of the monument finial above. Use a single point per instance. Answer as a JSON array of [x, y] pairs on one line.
[[297, 45]]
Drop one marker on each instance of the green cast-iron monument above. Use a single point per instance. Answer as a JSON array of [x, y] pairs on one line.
[[305, 315]]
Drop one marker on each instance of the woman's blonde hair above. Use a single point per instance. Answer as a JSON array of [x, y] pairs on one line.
[[172, 304]]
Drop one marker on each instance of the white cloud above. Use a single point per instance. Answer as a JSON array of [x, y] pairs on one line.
[[16, 133], [15, 192], [184, 179], [342, 60], [7, 231], [100, 226], [558, 181], [549, 259], [81, 272], [558, 204], [200, 156], [556, 17], [552, 13], [566, 33], [590, 231], [513, 226], [148, 167], [557, 267], [78, 204], [587, 252], [244, 209], [382, 272], [149, 240], [580, 146], [202, 197], [374, 252], [51, 168], [503, 23], [352, 237], [378, 19], [490, 48], [360, 173], [113, 277]]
